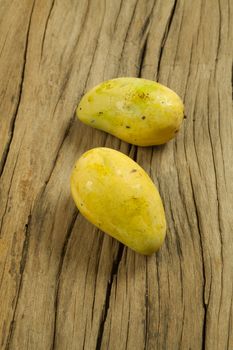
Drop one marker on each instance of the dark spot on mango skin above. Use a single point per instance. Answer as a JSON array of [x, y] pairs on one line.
[[176, 131], [107, 85], [143, 117], [127, 127], [133, 170], [100, 113], [143, 96]]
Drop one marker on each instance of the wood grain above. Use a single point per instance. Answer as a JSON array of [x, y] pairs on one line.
[[63, 283]]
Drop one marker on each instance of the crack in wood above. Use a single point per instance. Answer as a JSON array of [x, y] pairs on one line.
[[182, 195], [3, 270], [84, 21], [127, 332], [142, 57], [20, 283], [59, 272], [13, 120], [95, 50], [230, 322], [204, 327], [178, 36], [4, 42], [126, 35], [146, 323], [194, 130], [114, 272], [179, 250], [220, 138], [182, 329], [114, 30], [132, 152], [145, 26], [159, 297], [85, 334], [87, 269], [117, 16], [165, 36], [63, 89], [96, 273], [219, 29], [8, 192], [188, 75], [46, 25], [65, 135], [232, 81], [205, 306], [217, 197], [135, 154]]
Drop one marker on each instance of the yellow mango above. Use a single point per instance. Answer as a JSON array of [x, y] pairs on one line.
[[115, 194], [139, 111]]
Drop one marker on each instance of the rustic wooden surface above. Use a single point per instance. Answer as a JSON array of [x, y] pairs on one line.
[[63, 283]]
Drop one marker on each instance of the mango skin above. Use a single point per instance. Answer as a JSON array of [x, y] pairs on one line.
[[115, 194], [138, 111]]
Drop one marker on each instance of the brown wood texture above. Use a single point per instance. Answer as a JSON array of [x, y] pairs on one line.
[[63, 283]]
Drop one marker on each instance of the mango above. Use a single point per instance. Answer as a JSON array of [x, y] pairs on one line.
[[115, 194], [138, 111]]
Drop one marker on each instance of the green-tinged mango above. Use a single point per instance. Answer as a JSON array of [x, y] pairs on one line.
[[116, 195], [139, 111]]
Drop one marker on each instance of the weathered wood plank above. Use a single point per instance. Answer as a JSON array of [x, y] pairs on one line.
[[63, 284]]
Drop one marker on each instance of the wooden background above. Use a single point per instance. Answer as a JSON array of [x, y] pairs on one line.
[[63, 283]]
